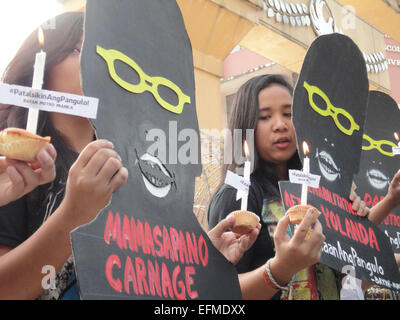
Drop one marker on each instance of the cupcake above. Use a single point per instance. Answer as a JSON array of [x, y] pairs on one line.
[[20, 144], [245, 221], [297, 213]]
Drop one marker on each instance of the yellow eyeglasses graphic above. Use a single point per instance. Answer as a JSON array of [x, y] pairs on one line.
[[146, 83], [331, 110], [377, 144]]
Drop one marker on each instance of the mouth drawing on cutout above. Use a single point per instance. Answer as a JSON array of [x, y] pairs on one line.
[[155, 176], [377, 179], [327, 166]]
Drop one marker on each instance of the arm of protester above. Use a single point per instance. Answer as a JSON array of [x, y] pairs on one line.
[[292, 255], [379, 211], [18, 178], [92, 179], [230, 244], [357, 204]]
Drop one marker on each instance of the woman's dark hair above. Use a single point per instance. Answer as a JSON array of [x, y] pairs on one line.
[[61, 36], [244, 116]]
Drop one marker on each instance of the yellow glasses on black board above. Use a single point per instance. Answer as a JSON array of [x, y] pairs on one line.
[[146, 82], [331, 111], [378, 145]]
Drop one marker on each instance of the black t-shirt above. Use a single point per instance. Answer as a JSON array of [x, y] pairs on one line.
[[17, 224], [13, 226]]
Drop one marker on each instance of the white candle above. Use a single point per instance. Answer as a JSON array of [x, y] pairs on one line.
[[246, 176], [37, 82], [306, 170]]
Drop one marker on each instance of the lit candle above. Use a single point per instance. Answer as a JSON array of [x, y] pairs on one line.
[[246, 175], [306, 170], [37, 82], [396, 136]]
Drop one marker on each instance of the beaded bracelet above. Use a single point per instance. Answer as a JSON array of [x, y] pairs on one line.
[[269, 279]]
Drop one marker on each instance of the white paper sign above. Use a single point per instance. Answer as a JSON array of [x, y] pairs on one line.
[[239, 183], [300, 177], [396, 150], [51, 101]]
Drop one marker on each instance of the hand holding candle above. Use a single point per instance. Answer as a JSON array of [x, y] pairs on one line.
[[37, 82], [306, 170]]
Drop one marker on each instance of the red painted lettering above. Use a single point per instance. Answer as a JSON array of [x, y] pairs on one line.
[[127, 236], [167, 245], [141, 275], [340, 225], [166, 282], [113, 229], [349, 230], [140, 237], [363, 234], [183, 254], [180, 294], [134, 235], [154, 278], [192, 248], [156, 235], [333, 220], [325, 212], [189, 271], [367, 199], [148, 239], [129, 277], [372, 239], [288, 201], [203, 251], [116, 284], [174, 242]]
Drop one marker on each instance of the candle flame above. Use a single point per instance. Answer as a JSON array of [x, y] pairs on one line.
[[246, 149], [396, 136], [40, 36], [306, 150]]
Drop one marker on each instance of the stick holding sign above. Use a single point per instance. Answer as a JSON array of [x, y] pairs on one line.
[[304, 177], [37, 82]]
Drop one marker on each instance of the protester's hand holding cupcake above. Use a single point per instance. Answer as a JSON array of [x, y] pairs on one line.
[[18, 178], [296, 253], [244, 232]]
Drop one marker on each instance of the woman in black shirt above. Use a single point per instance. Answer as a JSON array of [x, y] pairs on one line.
[[263, 104]]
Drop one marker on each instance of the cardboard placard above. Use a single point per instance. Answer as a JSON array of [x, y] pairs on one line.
[[329, 110], [147, 244], [350, 241], [378, 162]]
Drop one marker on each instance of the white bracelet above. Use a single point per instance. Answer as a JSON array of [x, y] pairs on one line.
[[268, 270]]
